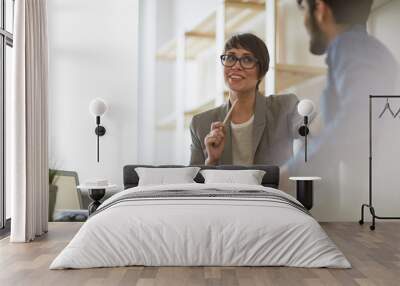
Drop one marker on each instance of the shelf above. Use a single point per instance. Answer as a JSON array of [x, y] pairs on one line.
[[167, 51], [196, 40], [168, 122], [202, 35], [238, 13], [289, 75], [249, 4], [204, 106]]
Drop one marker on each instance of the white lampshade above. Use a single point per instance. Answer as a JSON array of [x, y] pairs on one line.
[[305, 107], [97, 107]]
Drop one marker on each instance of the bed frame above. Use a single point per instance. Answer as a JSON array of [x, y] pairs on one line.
[[270, 179]]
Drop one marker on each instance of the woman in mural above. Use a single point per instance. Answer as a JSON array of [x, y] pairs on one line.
[[258, 129]]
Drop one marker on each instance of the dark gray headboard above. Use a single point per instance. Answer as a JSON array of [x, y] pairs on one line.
[[270, 179]]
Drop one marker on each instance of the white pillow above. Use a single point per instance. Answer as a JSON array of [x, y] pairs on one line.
[[248, 177], [163, 176]]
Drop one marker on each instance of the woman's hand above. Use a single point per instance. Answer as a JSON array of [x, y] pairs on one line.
[[215, 143]]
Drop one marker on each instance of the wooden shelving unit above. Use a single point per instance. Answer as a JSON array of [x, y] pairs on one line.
[[290, 75], [203, 35], [238, 13]]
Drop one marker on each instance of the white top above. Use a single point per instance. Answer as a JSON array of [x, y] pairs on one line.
[[242, 142], [89, 187], [305, 178]]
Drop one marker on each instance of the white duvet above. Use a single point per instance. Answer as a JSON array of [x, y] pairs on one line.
[[200, 231]]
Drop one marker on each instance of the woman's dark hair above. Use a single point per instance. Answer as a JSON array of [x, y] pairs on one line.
[[348, 12], [255, 45]]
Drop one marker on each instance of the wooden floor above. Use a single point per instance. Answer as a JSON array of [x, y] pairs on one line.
[[375, 257]]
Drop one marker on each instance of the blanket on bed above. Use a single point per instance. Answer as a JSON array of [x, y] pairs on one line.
[[201, 225]]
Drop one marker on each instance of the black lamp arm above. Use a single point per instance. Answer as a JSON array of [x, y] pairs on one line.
[[304, 131], [99, 131]]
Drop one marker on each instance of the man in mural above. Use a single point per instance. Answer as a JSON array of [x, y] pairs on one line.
[[358, 65]]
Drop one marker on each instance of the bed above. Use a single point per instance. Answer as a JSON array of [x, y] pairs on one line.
[[201, 224]]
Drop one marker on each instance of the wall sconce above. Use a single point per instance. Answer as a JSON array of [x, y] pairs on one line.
[[305, 108], [97, 108]]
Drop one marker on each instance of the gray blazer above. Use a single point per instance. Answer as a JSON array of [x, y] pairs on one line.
[[276, 124]]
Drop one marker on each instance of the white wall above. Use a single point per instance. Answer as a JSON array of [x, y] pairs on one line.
[[165, 82], [93, 53], [147, 82], [384, 23]]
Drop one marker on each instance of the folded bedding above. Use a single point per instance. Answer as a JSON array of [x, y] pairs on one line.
[[201, 225]]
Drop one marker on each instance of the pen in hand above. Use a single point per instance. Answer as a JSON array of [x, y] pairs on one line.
[[228, 115]]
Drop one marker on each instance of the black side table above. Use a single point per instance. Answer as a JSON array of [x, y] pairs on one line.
[[96, 193], [304, 190]]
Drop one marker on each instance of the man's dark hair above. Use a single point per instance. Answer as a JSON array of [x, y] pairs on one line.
[[254, 44], [347, 12]]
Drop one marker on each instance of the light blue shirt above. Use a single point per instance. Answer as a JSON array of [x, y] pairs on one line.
[[358, 66]]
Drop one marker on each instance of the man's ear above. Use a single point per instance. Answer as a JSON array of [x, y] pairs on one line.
[[321, 11]]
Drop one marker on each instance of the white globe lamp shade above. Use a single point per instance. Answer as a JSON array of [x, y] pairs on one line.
[[305, 107], [97, 107]]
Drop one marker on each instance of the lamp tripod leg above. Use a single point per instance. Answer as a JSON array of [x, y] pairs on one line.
[[98, 146], [305, 150]]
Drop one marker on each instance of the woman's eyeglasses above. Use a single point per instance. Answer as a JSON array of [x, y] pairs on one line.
[[246, 62]]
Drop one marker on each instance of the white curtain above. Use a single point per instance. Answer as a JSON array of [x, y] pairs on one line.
[[28, 122]]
